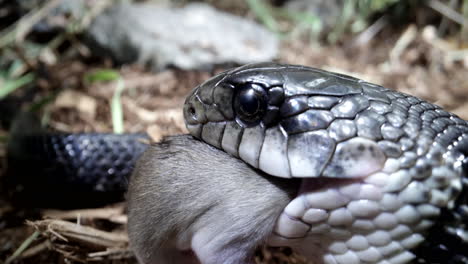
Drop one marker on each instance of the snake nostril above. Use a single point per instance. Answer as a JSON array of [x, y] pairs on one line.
[[191, 111]]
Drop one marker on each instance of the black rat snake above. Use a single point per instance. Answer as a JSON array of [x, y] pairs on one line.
[[406, 160]]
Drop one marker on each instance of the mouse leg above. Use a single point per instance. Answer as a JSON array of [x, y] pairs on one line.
[[213, 248]]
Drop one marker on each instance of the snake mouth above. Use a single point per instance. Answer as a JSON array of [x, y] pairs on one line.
[[309, 185]]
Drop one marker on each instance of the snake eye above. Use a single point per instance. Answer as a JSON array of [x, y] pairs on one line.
[[250, 103]]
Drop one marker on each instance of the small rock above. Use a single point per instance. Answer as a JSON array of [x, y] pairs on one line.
[[192, 37], [85, 104]]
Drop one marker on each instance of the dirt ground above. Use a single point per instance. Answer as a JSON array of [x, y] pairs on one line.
[[410, 60]]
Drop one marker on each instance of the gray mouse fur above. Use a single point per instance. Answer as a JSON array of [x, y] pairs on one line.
[[191, 203]]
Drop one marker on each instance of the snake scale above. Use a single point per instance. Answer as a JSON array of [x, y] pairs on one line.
[[383, 175]]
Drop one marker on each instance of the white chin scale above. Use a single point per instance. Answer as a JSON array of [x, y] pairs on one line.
[[303, 155]]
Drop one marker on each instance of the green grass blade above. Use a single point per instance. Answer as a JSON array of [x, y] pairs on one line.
[[10, 85], [116, 107], [103, 75], [261, 10], [23, 247], [106, 75]]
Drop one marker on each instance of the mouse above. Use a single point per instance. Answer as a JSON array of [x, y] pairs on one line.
[[189, 202]]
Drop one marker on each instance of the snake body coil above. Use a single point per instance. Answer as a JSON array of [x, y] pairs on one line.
[[71, 170]]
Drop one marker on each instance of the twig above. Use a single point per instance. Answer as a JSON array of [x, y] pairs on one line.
[[69, 255], [21, 28], [101, 213], [464, 30], [83, 235], [402, 43], [447, 11], [97, 8], [457, 55], [368, 34], [52, 231], [444, 21], [32, 251], [114, 253], [23, 247]]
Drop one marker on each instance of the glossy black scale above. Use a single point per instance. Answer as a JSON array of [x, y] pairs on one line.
[[445, 242], [68, 170]]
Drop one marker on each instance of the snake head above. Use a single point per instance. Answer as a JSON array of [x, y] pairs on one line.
[[279, 119], [377, 165]]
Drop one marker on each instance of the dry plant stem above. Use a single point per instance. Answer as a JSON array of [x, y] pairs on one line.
[[69, 255], [112, 253], [29, 64], [464, 30], [84, 235], [17, 31], [402, 43], [444, 23], [98, 213], [96, 9], [367, 35], [80, 47], [457, 55], [447, 12], [34, 250]]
